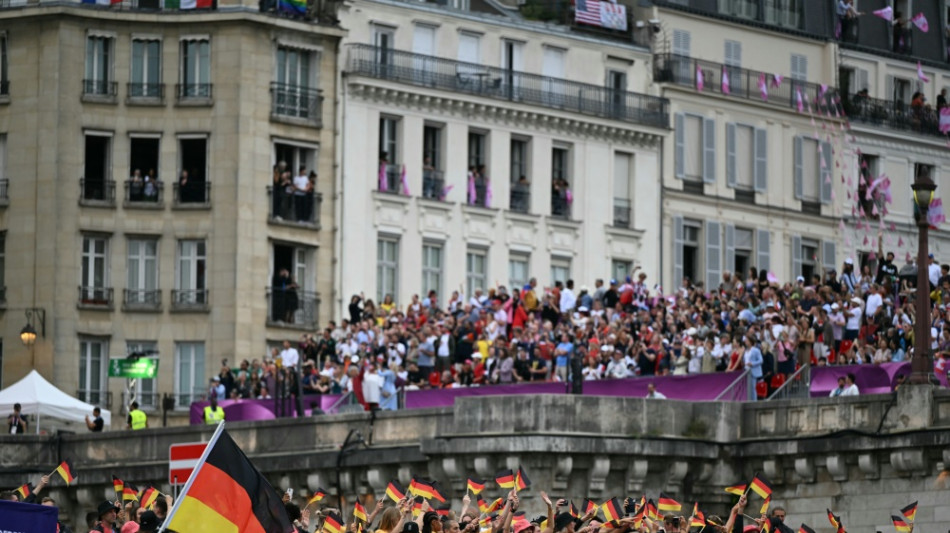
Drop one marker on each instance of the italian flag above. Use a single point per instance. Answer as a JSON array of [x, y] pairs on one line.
[[188, 4]]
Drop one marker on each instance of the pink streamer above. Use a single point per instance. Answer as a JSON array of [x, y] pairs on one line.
[[920, 74], [405, 182], [445, 192], [472, 194], [945, 120], [569, 196], [488, 194], [920, 21], [763, 87], [725, 82], [699, 78], [798, 98], [383, 182], [776, 80], [887, 13], [935, 215]]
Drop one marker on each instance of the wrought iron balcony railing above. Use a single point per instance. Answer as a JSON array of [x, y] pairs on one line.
[[96, 191], [292, 308], [141, 193], [296, 102], [893, 115], [511, 85], [294, 209]]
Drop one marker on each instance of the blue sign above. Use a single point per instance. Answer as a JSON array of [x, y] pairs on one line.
[[27, 518]]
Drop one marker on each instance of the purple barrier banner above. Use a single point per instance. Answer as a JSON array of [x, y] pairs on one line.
[[870, 379], [702, 387], [238, 410]]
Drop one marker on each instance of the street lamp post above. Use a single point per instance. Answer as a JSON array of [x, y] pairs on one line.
[[921, 366]]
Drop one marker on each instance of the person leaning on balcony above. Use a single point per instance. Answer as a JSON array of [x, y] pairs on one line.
[[214, 413], [137, 419]]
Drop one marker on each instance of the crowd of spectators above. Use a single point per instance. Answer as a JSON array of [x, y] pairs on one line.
[[617, 329]]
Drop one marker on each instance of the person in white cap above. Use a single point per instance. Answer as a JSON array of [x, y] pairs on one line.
[[848, 278], [853, 323]]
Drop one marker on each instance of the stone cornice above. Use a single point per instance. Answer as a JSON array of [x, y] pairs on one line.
[[518, 114]]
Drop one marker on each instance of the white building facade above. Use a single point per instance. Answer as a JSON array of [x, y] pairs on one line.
[[431, 95]]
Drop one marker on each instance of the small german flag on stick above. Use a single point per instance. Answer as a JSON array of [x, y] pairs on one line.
[[24, 490], [359, 511], [149, 497], [698, 519], [475, 486], [333, 524], [761, 486], [910, 512], [130, 493], [900, 524], [589, 505], [65, 469], [521, 479], [505, 479], [117, 485], [738, 490], [765, 505], [805, 529], [317, 496], [395, 491], [667, 503], [612, 510]]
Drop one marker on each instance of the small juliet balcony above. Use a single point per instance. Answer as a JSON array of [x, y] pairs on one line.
[[433, 184], [141, 193], [292, 308], [520, 199], [508, 85], [190, 300], [389, 179], [97, 192], [745, 84], [141, 300], [296, 104], [621, 213], [97, 298], [192, 194], [4, 192], [290, 209]]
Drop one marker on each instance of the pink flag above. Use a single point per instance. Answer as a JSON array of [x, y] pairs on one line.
[[920, 21], [822, 89], [776, 80], [900, 243], [405, 182], [872, 256], [699, 78], [887, 13], [383, 182], [569, 196], [487, 193], [725, 82], [865, 240], [935, 215], [892, 227], [472, 193], [763, 87], [920, 74], [841, 225], [445, 192], [798, 98], [945, 120]]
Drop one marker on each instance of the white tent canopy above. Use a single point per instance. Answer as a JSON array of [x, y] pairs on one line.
[[39, 397]]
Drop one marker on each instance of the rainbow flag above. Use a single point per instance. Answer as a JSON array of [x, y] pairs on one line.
[[294, 7]]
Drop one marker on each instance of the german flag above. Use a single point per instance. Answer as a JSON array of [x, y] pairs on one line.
[[612, 509], [835, 521], [130, 493], [766, 526], [331, 524], [476, 486], [482, 505], [117, 485], [666, 503], [910, 512], [226, 494], [417, 505], [443, 510], [761, 486], [900, 525], [24, 490], [359, 511], [317, 496], [697, 519], [575, 512], [505, 479], [395, 491], [436, 493], [613, 524], [65, 469], [805, 529], [738, 490], [495, 505], [521, 479], [426, 489], [765, 505], [484, 521], [652, 512], [149, 497], [589, 505]]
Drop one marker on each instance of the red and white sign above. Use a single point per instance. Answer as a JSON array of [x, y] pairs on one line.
[[182, 459]]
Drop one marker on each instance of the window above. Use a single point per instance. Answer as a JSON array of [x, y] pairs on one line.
[[867, 172], [518, 177], [145, 388], [623, 187], [786, 13], [142, 287], [98, 80], [898, 90], [195, 69], [512, 63], [560, 269], [387, 269], [518, 268], [620, 269], [799, 73], [3, 266], [617, 87], [748, 9], [733, 65], [189, 373], [4, 182], [146, 81], [389, 153], [682, 65], [746, 163], [190, 281], [809, 260], [686, 250], [192, 185], [293, 92], [93, 361], [294, 67], [476, 149], [383, 37], [4, 79], [561, 198], [95, 271], [289, 305], [470, 48], [477, 143], [143, 184], [97, 184], [476, 270], [746, 248], [292, 156], [695, 150], [812, 170], [432, 268], [433, 185]]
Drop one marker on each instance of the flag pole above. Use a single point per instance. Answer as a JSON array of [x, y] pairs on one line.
[[191, 478]]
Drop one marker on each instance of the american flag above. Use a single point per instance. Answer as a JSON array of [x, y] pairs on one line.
[[587, 12]]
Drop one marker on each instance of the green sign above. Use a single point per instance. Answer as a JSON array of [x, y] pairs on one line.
[[125, 368]]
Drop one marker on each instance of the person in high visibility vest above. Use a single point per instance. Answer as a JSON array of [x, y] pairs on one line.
[[137, 419], [214, 414]]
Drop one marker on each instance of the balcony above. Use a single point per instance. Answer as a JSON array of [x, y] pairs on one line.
[[197, 94], [519, 200], [100, 91], [4, 91], [190, 300], [192, 195], [507, 85], [560, 207], [99, 298], [294, 210], [141, 300], [96, 192], [145, 94], [433, 184], [296, 104], [893, 115], [744, 84], [562, 12], [292, 308], [390, 179], [622, 212], [141, 194], [4, 192], [99, 398]]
